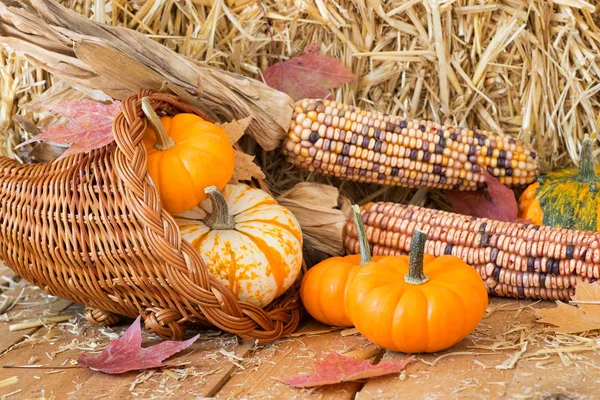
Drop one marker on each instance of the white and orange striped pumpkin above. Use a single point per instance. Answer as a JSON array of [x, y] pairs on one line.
[[248, 241]]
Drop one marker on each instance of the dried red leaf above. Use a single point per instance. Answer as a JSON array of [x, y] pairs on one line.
[[127, 354], [89, 127], [497, 202], [308, 76], [336, 368]]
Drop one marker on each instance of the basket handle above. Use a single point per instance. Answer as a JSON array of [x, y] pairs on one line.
[[195, 295]]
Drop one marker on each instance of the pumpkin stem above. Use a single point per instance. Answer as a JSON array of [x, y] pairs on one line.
[[363, 242], [587, 164], [219, 219], [163, 141], [415, 274]]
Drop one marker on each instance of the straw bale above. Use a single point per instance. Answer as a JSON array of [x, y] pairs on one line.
[[526, 68]]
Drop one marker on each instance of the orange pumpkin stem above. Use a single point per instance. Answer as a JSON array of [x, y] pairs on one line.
[[415, 274], [219, 219], [363, 242], [163, 141], [587, 164]]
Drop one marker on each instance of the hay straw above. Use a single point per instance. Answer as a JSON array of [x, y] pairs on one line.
[[528, 69], [39, 322], [9, 381]]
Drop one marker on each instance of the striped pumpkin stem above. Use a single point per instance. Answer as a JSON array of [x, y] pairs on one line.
[[415, 275], [361, 234], [587, 164], [219, 218]]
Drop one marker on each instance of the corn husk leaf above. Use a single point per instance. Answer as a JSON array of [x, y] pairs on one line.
[[322, 214], [116, 61]]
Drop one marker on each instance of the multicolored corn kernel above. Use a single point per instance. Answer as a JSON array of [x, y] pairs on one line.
[[513, 259], [335, 139]]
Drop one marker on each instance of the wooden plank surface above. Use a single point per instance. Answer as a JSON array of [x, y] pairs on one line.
[[506, 358], [23, 302], [464, 372], [294, 356], [202, 369]]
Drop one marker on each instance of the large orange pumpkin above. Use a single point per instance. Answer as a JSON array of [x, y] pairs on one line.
[[323, 287], [416, 303], [186, 154], [248, 241]]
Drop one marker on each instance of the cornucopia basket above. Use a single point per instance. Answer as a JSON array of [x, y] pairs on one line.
[[90, 228]]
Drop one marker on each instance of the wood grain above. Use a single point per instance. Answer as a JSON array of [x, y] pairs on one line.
[[476, 376], [55, 372], [34, 304], [291, 357], [221, 365]]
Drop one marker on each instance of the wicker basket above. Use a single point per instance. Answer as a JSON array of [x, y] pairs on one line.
[[90, 228]]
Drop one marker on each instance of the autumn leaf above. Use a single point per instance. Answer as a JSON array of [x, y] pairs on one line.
[[244, 169], [127, 354], [236, 129], [308, 76], [583, 316], [89, 126], [497, 202], [336, 368]]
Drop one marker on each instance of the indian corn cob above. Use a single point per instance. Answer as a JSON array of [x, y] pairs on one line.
[[331, 138], [514, 259]]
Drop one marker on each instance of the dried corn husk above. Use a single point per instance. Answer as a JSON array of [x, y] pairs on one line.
[[322, 213], [104, 60]]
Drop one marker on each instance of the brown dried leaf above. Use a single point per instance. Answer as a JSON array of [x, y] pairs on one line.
[[236, 129], [45, 152], [582, 317], [245, 169]]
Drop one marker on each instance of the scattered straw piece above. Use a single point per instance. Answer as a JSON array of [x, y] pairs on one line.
[[9, 381], [350, 332], [512, 360], [570, 349], [313, 332], [363, 354], [171, 374], [7, 395], [456, 353], [233, 358], [39, 322], [141, 378]]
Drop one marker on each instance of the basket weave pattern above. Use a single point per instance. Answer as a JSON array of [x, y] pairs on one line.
[[90, 228]]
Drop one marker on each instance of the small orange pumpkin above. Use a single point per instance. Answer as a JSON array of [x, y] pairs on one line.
[[323, 287], [185, 155], [416, 303]]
